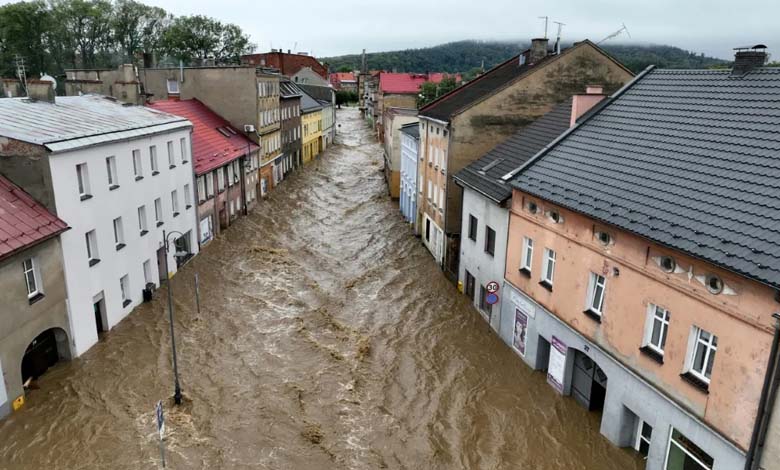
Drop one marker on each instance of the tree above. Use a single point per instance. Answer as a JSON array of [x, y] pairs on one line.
[[22, 31], [427, 94], [199, 37], [138, 27], [81, 29], [344, 69]]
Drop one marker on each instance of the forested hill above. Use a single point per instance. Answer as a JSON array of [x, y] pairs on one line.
[[464, 56]]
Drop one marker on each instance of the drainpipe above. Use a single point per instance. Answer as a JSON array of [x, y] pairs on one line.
[[766, 403]]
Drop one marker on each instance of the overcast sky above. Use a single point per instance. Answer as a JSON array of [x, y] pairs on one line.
[[329, 28]]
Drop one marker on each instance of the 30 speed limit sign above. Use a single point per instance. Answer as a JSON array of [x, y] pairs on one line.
[[492, 287]]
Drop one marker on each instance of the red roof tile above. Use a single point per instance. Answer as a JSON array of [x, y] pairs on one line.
[[23, 220], [289, 64], [210, 148], [408, 82]]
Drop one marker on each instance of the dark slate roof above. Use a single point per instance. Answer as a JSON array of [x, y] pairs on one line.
[[309, 104], [689, 159], [412, 129], [484, 175], [318, 92]]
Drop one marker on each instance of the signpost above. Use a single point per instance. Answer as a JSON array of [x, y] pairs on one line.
[[161, 430], [492, 293]]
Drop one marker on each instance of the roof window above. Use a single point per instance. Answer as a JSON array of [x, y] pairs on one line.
[[668, 264], [714, 284]]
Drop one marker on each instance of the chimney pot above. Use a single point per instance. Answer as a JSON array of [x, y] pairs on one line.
[[746, 59], [538, 49]]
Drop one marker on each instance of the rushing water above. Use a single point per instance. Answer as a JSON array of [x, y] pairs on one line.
[[327, 339]]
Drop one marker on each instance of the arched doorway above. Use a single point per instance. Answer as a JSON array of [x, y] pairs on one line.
[[589, 382], [43, 352]]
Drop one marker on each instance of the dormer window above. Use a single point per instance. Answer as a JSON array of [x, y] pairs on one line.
[[532, 207], [714, 284], [668, 264], [604, 238], [555, 216]]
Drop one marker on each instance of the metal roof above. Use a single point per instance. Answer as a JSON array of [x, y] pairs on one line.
[[308, 103], [80, 121], [685, 158], [288, 89]]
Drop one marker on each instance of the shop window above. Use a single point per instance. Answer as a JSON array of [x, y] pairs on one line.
[[683, 454]]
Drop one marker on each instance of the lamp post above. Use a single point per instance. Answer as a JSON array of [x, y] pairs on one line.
[[177, 392]]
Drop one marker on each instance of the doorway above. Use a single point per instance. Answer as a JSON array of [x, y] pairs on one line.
[[40, 355], [589, 383], [99, 307], [161, 264]]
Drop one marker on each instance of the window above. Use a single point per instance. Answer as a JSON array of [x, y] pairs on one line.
[[483, 304], [683, 454], [210, 184], [548, 268], [113, 182], [148, 271], [490, 241], [528, 254], [92, 250], [656, 328], [473, 226], [187, 196], [644, 434], [175, 202], [119, 236], [142, 220], [221, 176], [183, 145], [153, 160], [158, 211], [83, 179], [171, 161], [441, 199], [124, 287], [469, 287], [137, 168], [173, 86], [430, 190], [702, 354], [32, 278], [596, 293]]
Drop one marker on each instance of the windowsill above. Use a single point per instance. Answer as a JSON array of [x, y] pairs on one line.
[[144, 232], [155, 173], [36, 298], [171, 167], [93, 262], [546, 285], [113, 187], [126, 303], [139, 178], [84, 197], [592, 315], [696, 382], [492, 255], [473, 239], [159, 224], [201, 201], [188, 207], [175, 214], [652, 354], [184, 162], [525, 272], [119, 246], [220, 191]]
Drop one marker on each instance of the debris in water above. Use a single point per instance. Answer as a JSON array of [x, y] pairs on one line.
[[313, 433]]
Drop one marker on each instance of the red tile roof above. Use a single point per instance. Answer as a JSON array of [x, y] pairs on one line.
[[289, 64], [23, 220], [409, 82], [210, 147]]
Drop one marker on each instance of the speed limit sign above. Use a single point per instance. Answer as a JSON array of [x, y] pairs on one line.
[[492, 287]]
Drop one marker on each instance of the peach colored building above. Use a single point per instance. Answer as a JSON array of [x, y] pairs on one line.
[[642, 264]]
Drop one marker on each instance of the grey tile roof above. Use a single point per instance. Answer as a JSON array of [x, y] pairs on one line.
[[484, 175], [318, 92], [412, 129], [79, 121], [687, 158], [308, 103]]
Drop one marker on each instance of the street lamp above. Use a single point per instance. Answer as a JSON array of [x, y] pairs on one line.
[[177, 393]]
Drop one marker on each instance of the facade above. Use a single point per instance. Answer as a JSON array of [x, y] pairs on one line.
[[121, 176], [225, 164], [34, 322], [369, 96], [328, 121], [287, 63], [394, 119], [122, 83], [462, 125], [399, 90], [290, 99], [311, 128], [344, 81], [410, 146], [308, 76], [642, 264]]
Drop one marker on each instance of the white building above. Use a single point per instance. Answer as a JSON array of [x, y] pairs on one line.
[[119, 176], [410, 146], [486, 201]]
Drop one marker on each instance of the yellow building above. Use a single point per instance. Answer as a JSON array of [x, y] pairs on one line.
[[311, 127]]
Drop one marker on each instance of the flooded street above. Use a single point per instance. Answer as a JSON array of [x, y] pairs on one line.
[[327, 339]]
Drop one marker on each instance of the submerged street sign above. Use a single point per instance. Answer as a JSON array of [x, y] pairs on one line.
[[160, 419]]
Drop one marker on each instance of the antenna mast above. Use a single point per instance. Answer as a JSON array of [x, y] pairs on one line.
[[558, 39], [616, 33], [546, 19], [21, 72]]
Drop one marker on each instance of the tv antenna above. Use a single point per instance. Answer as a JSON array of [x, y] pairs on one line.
[[558, 39], [546, 20], [616, 33], [21, 71]]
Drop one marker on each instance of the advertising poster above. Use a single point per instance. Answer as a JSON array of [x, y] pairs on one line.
[[557, 365], [521, 329]]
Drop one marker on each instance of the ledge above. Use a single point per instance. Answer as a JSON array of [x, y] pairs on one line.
[[175, 214], [119, 246], [84, 197], [171, 167], [184, 162], [696, 382], [93, 262], [144, 232], [36, 298], [139, 178], [188, 207], [159, 224], [113, 187], [592, 315], [126, 303], [652, 354], [546, 285], [525, 272], [155, 173]]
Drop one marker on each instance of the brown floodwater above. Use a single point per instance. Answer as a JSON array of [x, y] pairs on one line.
[[327, 339]]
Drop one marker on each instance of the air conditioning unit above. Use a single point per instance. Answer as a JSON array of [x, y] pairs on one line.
[[249, 128]]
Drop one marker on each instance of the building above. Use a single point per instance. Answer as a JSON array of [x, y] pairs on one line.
[[460, 126], [369, 97], [486, 201], [225, 164], [308, 76], [290, 99], [288, 64], [410, 146], [122, 83], [344, 81], [393, 120], [272, 162], [120, 176], [328, 121], [642, 265], [311, 127], [34, 321], [400, 90]]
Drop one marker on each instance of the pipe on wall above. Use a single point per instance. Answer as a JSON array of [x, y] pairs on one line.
[[766, 402]]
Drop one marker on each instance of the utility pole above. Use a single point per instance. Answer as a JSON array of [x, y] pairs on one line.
[[177, 387], [546, 19], [21, 72]]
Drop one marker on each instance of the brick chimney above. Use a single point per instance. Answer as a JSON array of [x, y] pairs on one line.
[[583, 102], [747, 59], [538, 50], [40, 90]]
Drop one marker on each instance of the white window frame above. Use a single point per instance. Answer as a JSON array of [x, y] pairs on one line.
[[694, 342], [596, 282], [651, 320], [527, 255], [187, 196], [671, 442], [32, 271], [138, 169], [142, 222], [171, 156], [113, 181], [175, 202], [158, 210], [172, 90], [153, 159], [548, 267], [82, 176], [640, 438], [92, 246], [147, 267], [184, 153]]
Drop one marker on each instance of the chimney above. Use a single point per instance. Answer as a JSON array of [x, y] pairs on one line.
[[538, 50], [40, 90], [582, 103], [747, 59]]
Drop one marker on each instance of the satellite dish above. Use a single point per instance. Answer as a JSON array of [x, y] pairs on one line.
[[49, 78]]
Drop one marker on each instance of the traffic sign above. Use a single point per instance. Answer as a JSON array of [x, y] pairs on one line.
[[160, 419], [491, 298], [492, 287]]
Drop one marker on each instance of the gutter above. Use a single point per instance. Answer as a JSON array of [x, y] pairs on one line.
[[766, 403]]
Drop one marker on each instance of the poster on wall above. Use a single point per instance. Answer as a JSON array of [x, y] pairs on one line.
[[521, 329], [557, 364]]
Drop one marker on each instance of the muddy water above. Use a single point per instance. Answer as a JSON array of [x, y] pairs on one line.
[[327, 339]]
